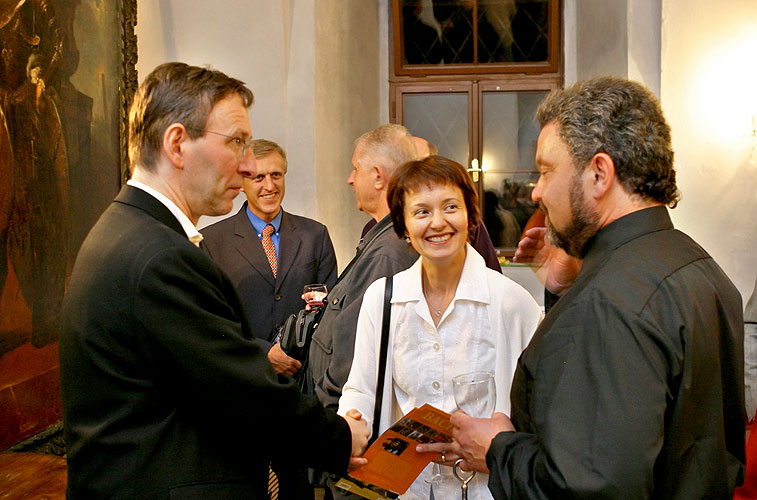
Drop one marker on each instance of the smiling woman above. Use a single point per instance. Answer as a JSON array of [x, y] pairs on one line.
[[450, 315], [434, 204]]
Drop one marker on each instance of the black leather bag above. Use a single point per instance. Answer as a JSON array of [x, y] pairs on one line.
[[297, 333]]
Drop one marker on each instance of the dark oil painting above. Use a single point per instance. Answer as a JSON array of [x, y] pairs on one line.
[[66, 73]]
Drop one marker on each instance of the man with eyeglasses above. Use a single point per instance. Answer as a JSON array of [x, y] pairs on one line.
[[166, 393]]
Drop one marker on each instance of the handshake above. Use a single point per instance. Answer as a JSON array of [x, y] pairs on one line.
[[360, 434]]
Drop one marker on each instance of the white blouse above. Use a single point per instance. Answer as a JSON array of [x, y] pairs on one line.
[[485, 328]]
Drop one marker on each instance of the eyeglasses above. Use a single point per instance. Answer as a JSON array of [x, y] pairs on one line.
[[244, 145]]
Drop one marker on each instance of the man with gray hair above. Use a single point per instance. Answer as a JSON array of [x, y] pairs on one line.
[[380, 253], [632, 386]]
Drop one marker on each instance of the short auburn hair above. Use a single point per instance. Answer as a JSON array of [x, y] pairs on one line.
[[430, 171]]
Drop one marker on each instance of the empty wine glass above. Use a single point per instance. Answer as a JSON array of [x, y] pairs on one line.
[[475, 394], [435, 477], [314, 294]]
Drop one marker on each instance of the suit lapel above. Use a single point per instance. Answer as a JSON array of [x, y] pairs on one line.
[[289, 246], [249, 246], [141, 199]]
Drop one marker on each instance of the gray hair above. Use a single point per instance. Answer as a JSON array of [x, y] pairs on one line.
[[389, 146], [623, 119]]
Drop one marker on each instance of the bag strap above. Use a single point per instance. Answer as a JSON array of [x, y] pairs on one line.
[[358, 252], [386, 319]]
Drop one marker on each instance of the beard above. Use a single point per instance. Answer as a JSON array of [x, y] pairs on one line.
[[584, 223]]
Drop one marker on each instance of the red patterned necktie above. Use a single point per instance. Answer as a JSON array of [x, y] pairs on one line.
[[268, 247]]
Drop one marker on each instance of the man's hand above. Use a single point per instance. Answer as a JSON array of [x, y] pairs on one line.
[[360, 433], [555, 269], [474, 436], [444, 453], [281, 362]]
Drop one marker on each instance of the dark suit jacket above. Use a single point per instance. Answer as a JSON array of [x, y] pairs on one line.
[[165, 393], [306, 255]]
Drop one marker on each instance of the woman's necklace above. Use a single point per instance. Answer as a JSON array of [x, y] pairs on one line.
[[437, 303]]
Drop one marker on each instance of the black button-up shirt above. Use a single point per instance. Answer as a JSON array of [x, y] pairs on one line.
[[632, 386]]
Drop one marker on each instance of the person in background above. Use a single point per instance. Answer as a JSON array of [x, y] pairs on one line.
[[302, 252], [632, 386], [479, 236], [378, 153], [165, 392], [748, 490], [450, 314], [270, 255]]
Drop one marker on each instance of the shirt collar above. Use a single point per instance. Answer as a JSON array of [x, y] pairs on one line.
[[378, 228], [625, 229], [470, 287], [189, 229], [258, 224]]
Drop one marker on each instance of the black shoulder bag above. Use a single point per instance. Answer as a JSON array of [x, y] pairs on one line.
[[386, 319]]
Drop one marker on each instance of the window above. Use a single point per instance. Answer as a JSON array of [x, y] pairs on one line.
[[476, 101], [446, 37]]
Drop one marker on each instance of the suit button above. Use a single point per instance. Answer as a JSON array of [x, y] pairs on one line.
[[277, 297]]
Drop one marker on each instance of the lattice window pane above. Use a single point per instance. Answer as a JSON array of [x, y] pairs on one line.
[[441, 118], [442, 31]]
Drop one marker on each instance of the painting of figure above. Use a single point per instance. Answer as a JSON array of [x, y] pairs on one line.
[[61, 123]]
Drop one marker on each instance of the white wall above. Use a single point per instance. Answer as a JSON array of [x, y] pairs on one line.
[[243, 40], [273, 45], [698, 55], [347, 100], [709, 93]]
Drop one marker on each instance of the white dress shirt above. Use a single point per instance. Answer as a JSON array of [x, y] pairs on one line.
[[191, 231], [485, 328]]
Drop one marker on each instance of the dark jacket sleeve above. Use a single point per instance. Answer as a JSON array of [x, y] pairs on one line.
[[327, 269], [342, 329], [481, 241], [610, 378], [207, 358]]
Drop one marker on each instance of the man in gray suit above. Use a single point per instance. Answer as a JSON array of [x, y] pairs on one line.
[[379, 254], [304, 253]]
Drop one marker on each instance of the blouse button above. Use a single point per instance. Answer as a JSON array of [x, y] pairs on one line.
[[436, 346], [435, 385]]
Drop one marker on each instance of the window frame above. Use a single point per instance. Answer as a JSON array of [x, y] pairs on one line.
[[552, 66]]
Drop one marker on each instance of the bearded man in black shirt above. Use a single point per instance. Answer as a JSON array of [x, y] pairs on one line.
[[632, 386]]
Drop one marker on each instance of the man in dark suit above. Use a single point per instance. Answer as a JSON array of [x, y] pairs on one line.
[[166, 394], [303, 253]]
